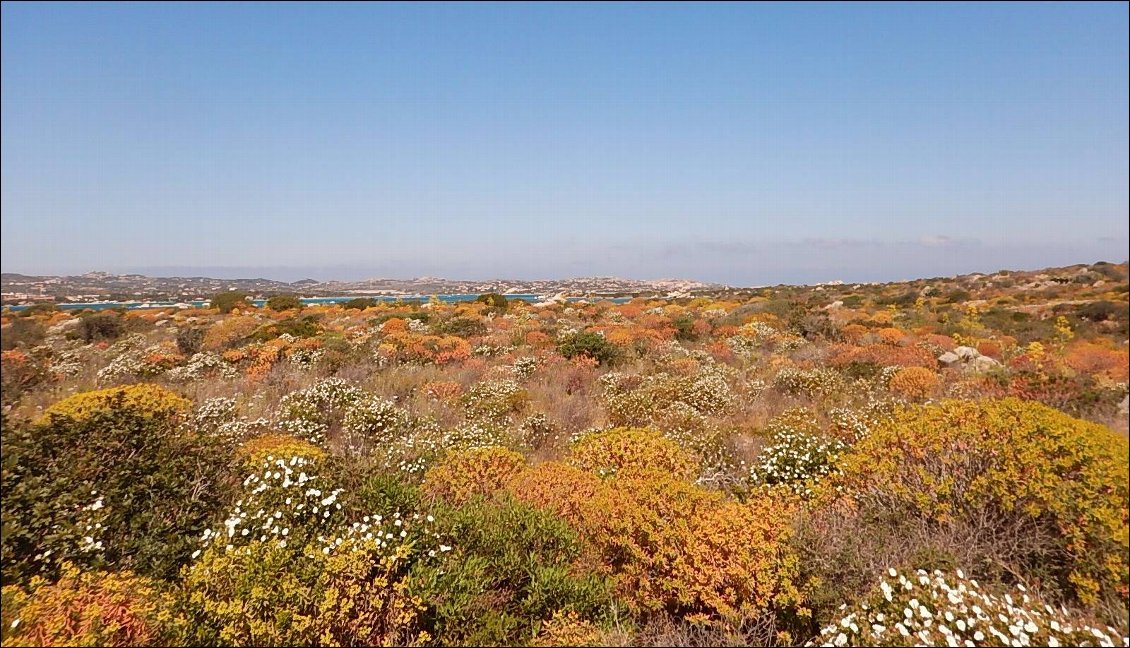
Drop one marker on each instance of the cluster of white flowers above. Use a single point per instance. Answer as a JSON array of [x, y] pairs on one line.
[[924, 609], [286, 504], [126, 365], [494, 399], [373, 421], [305, 357], [524, 367], [856, 423], [537, 430], [812, 382], [214, 412], [492, 350], [67, 363], [417, 325], [282, 503], [90, 524], [307, 412], [798, 454], [203, 365]]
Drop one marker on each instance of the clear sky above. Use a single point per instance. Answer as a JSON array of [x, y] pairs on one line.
[[746, 144]]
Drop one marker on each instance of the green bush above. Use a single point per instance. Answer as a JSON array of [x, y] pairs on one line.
[[588, 343], [101, 326], [513, 566], [461, 326], [112, 486], [285, 302], [226, 302], [359, 303], [22, 332], [190, 340], [494, 300]]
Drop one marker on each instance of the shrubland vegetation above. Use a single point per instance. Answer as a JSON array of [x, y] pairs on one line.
[[938, 462]]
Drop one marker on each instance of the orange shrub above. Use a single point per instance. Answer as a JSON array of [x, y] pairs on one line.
[[675, 548], [854, 332], [990, 348], [632, 450], [537, 338], [1092, 358], [465, 474], [559, 487], [229, 331], [914, 382], [93, 609], [890, 335]]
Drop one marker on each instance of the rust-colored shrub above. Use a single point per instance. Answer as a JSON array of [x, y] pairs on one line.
[[91, 609], [913, 382], [632, 450], [465, 474], [556, 486]]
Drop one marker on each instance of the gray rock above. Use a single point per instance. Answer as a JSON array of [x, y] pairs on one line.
[[1124, 406], [981, 364], [948, 358], [966, 353]]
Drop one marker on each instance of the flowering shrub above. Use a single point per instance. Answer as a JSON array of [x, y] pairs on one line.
[[150, 401], [229, 331], [494, 399], [563, 489], [913, 382], [92, 609], [314, 412], [632, 449], [1021, 460], [373, 421], [810, 382], [288, 566], [200, 366], [260, 450], [934, 609], [798, 454], [567, 628], [479, 471]]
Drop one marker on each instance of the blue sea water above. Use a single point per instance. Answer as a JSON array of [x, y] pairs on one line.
[[308, 300]]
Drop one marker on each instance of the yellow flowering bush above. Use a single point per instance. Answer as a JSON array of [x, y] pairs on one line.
[[256, 450], [152, 401], [1017, 459], [632, 449], [676, 548]]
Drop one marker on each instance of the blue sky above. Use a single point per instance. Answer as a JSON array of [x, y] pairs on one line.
[[746, 144]]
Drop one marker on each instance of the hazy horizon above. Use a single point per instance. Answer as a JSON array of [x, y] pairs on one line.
[[740, 144]]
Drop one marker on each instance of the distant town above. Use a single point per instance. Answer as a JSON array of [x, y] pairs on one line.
[[18, 289]]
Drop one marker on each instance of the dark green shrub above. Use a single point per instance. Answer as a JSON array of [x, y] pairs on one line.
[[101, 326], [189, 340], [494, 300], [513, 566], [21, 332], [228, 301], [588, 343], [118, 486], [285, 302], [359, 303], [461, 326], [1100, 311]]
